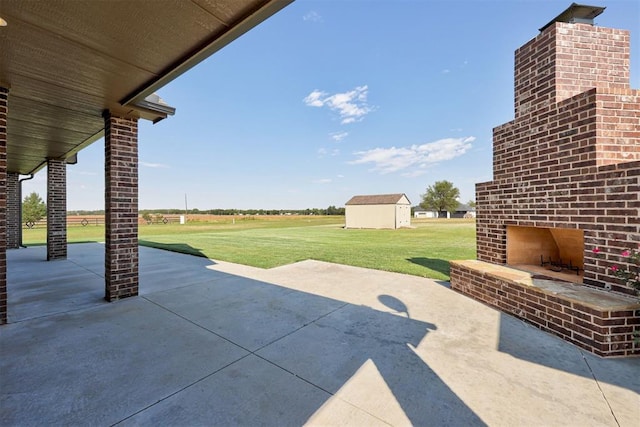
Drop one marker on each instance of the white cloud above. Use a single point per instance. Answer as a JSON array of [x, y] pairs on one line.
[[322, 152], [351, 106], [154, 165], [322, 181], [446, 71], [340, 176], [394, 159], [415, 173], [314, 98], [338, 136], [312, 16]]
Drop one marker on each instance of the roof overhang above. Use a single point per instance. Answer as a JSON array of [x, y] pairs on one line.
[[66, 62]]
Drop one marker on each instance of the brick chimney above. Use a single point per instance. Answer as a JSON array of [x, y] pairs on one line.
[[569, 57]]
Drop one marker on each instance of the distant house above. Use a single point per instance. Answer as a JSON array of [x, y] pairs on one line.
[[464, 211], [419, 212], [378, 211]]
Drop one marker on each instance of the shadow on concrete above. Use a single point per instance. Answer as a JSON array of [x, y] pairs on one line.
[[435, 264], [211, 348], [394, 304], [526, 342], [443, 283], [30, 245], [182, 248], [39, 288], [351, 346]]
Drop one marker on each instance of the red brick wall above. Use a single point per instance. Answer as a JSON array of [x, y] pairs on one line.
[[618, 127], [567, 59], [56, 209], [547, 141], [603, 201], [590, 56], [4, 108], [13, 211], [121, 207], [534, 72]]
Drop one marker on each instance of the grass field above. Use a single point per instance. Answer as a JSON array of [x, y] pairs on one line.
[[272, 241]]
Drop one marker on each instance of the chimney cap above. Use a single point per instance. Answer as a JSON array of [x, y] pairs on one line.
[[577, 13]]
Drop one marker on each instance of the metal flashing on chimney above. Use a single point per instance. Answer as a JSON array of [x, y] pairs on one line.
[[577, 13]]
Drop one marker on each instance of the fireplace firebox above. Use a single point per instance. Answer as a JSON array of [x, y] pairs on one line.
[[558, 252]]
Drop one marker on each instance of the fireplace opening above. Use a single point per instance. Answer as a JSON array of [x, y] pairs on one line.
[[553, 252]]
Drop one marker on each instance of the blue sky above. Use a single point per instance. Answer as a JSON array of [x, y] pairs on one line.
[[333, 98]]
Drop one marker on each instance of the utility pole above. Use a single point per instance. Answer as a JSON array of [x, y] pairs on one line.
[[186, 209]]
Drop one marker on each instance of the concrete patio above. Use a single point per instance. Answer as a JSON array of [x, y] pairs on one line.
[[213, 343]]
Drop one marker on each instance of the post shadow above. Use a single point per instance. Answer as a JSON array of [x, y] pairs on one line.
[[182, 248], [386, 339], [435, 264], [526, 342]]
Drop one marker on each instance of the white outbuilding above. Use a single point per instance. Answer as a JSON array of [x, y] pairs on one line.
[[378, 211]]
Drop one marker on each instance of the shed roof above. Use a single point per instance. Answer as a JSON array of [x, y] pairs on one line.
[[377, 199], [65, 62]]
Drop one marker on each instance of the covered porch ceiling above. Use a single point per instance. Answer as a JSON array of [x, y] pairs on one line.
[[65, 62]]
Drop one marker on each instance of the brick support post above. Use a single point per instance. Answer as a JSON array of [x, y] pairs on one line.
[[13, 211], [121, 207], [56, 209], [4, 108]]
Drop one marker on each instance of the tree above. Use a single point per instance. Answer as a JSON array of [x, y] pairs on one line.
[[332, 210], [471, 203], [442, 196], [147, 217], [33, 208]]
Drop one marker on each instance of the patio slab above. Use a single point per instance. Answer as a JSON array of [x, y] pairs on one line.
[[214, 343], [98, 366]]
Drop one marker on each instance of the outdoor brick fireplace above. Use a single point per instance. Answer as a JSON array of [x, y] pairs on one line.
[[566, 180]]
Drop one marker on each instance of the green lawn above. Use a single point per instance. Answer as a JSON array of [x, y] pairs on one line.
[[422, 251]]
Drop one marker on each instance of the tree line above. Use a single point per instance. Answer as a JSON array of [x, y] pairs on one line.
[[34, 209], [442, 196]]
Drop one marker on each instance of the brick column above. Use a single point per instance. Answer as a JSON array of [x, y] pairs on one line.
[[4, 109], [13, 211], [56, 209], [121, 207]]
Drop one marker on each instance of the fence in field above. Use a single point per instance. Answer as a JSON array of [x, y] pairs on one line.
[[98, 220]]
